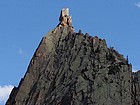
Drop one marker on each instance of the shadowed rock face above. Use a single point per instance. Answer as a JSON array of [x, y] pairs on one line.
[[71, 68], [136, 88]]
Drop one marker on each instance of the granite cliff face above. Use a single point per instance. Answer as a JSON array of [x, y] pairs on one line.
[[70, 68]]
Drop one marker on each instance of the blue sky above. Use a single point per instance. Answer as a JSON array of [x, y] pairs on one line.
[[24, 22]]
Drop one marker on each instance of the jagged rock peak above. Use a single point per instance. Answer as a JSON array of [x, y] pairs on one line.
[[70, 68], [65, 19]]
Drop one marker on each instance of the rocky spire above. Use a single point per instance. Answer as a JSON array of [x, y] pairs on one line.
[[70, 68], [65, 19]]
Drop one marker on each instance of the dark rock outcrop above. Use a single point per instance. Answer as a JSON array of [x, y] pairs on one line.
[[71, 68], [136, 88]]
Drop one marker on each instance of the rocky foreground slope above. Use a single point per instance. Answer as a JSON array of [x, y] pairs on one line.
[[70, 68]]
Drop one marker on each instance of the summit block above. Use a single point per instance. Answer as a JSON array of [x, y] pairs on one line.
[[64, 18]]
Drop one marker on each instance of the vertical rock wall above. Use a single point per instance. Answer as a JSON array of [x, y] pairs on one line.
[[136, 88]]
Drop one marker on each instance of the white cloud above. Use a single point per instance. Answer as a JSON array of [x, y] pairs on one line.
[[135, 68], [4, 92], [137, 4], [20, 52]]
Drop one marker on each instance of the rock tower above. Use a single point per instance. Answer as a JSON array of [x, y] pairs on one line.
[[65, 19]]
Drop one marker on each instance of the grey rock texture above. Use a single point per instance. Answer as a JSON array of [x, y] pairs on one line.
[[136, 88], [71, 68]]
